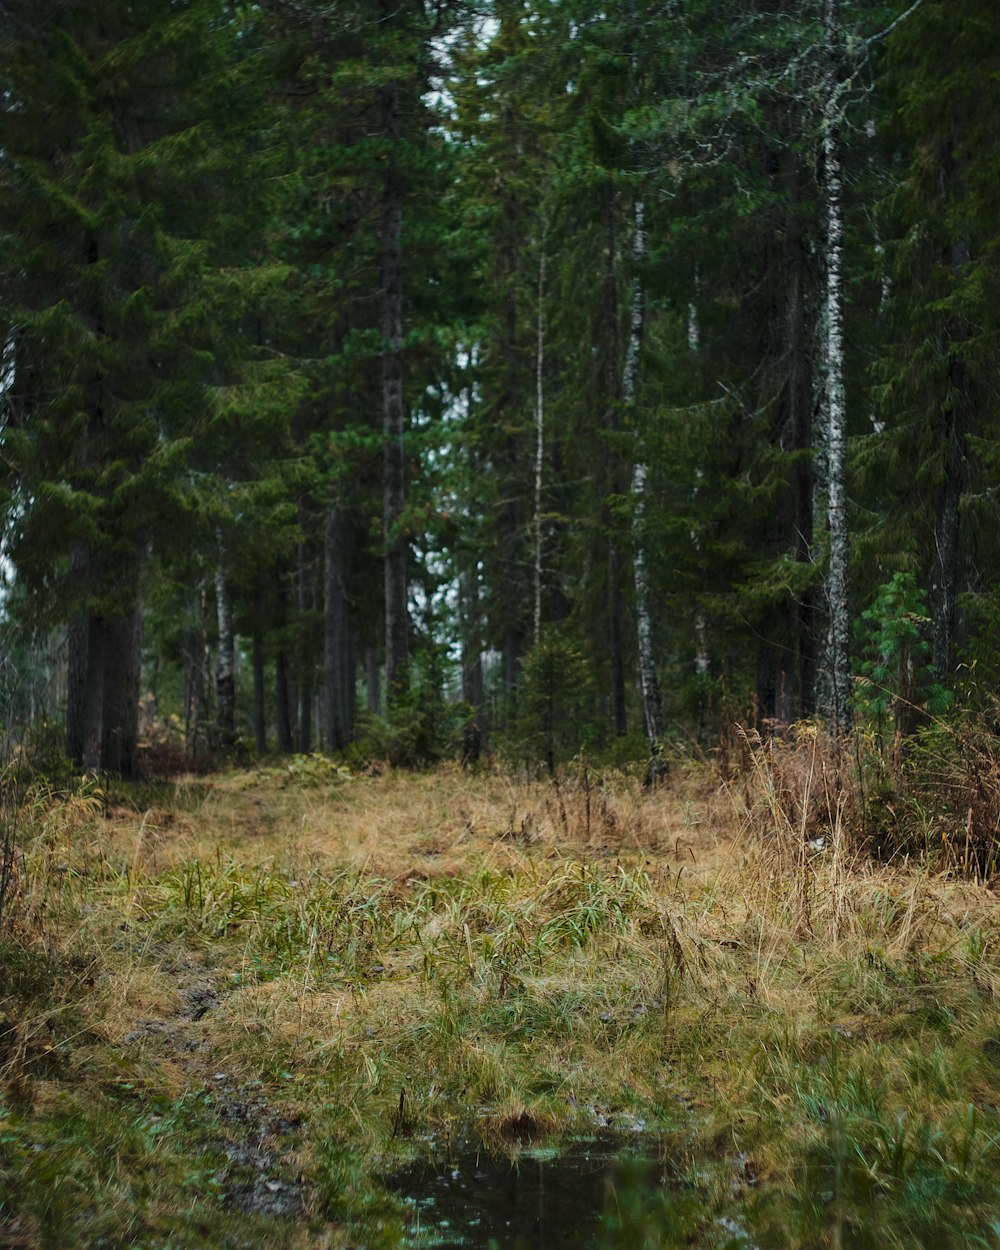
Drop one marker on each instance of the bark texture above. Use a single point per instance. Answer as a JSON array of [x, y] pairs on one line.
[[614, 484], [797, 399], [259, 704], [284, 696], [648, 678], [539, 445], [305, 663], [338, 667], [393, 478], [122, 678], [283, 704], [473, 684], [944, 587], [838, 639], [225, 670], [954, 418], [92, 718], [78, 639], [103, 682], [373, 682]]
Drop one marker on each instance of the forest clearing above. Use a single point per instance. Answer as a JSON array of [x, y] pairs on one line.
[[236, 1006], [499, 624]]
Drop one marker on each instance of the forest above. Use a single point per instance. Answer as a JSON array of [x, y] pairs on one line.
[[499, 624], [523, 378]]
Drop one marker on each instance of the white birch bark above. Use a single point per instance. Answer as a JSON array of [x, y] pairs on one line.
[[539, 444], [648, 679], [694, 326], [702, 659], [838, 641]]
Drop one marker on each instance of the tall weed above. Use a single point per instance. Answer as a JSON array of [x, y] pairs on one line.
[[935, 796]]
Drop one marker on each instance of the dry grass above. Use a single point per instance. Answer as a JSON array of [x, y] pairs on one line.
[[385, 823], [345, 967]]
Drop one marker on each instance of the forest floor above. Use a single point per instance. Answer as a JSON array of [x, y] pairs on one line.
[[232, 1006]]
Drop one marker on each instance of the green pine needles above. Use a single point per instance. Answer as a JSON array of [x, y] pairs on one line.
[[898, 680]]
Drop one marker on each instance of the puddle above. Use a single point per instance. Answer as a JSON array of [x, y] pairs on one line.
[[543, 1201]]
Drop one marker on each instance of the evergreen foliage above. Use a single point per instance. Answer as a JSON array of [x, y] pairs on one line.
[[316, 327], [897, 675]]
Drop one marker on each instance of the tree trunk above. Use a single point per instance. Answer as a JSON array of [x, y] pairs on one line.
[[648, 678], [612, 483], [838, 641], [306, 665], [945, 576], [798, 415], [104, 679], [198, 719], [78, 638], [259, 704], [702, 657], [225, 672], [944, 587], [188, 692], [282, 703], [512, 523], [619, 718], [93, 694], [338, 683], [512, 633], [350, 683], [284, 694], [539, 442], [473, 684], [393, 480], [122, 684], [373, 684], [305, 735]]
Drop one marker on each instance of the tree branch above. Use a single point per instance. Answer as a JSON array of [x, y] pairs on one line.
[[892, 25]]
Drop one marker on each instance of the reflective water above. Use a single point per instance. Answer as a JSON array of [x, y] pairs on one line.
[[543, 1201]]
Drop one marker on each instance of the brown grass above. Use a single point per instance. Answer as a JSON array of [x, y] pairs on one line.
[[526, 957]]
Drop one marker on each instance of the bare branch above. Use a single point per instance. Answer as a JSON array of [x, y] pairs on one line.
[[892, 25]]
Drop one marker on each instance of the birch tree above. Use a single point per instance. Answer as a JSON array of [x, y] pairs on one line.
[[835, 395], [648, 678], [836, 93]]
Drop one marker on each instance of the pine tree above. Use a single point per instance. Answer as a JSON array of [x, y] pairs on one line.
[[96, 282], [118, 136], [934, 457]]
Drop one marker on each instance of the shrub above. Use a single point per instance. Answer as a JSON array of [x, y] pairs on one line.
[[897, 680]]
